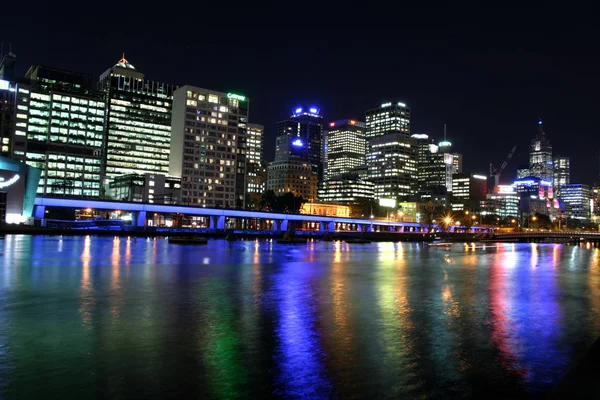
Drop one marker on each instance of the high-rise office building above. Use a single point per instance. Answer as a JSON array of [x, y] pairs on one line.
[[468, 190], [348, 188], [346, 147], [256, 171], [208, 146], [138, 129], [59, 129], [388, 118], [391, 154], [562, 172], [577, 200], [300, 137], [540, 155], [435, 164]]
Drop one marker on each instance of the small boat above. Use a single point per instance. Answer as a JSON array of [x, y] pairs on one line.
[[357, 241], [294, 240], [188, 240], [231, 237], [289, 239], [327, 238]]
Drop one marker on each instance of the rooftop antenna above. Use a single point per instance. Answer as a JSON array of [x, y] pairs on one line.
[[444, 132]]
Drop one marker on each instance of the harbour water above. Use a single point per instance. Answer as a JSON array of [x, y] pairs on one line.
[[98, 317]]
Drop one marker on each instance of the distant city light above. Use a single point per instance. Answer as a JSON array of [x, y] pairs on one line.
[[297, 143], [4, 85], [332, 124], [352, 122], [391, 203], [298, 110], [386, 104], [540, 122], [314, 110], [402, 104]]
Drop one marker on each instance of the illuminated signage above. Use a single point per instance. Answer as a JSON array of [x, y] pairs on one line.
[[297, 143], [313, 110], [391, 203], [402, 104], [5, 184], [419, 136], [434, 149], [332, 124], [386, 104], [479, 177], [4, 85], [236, 97], [506, 189], [445, 143]]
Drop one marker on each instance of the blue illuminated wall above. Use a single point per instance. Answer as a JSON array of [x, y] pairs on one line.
[[29, 175]]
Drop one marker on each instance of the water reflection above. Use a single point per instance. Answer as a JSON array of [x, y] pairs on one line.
[[119, 317]]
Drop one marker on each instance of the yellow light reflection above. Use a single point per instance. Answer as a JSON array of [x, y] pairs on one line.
[[534, 255], [86, 288]]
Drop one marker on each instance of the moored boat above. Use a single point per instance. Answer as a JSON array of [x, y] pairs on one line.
[[188, 240]]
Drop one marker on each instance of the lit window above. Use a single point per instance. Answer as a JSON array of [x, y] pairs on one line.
[[213, 98]]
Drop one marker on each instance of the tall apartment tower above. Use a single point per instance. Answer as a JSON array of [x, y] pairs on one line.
[[345, 147], [138, 129], [540, 156], [59, 129], [256, 172], [391, 154], [208, 146]]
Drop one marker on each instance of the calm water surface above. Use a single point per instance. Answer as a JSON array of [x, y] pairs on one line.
[[93, 317]]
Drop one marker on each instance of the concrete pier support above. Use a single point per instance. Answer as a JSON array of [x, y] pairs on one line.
[[138, 218], [217, 222], [40, 213]]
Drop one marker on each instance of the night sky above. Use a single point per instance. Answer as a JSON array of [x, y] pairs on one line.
[[488, 74]]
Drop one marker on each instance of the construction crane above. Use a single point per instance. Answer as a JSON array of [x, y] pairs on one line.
[[496, 172]]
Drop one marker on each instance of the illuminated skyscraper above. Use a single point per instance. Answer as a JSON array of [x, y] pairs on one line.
[[138, 129], [255, 159], [540, 156], [562, 172], [298, 165], [391, 154], [59, 129], [346, 147], [300, 137], [208, 146]]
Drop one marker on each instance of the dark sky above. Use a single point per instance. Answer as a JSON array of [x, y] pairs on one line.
[[488, 73]]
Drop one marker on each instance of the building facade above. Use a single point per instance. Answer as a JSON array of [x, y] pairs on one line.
[[59, 129], [345, 147], [256, 171], [435, 164], [208, 146], [300, 137], [577, 200], [346, 189], [562, 172], [392, 167], [391, 153], [292, 176], [468, 190], [540, 156], [146, 188], [138, 128], [8, 102], [388, 118]]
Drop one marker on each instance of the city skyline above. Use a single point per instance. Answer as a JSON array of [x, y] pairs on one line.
[[492, 85]]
